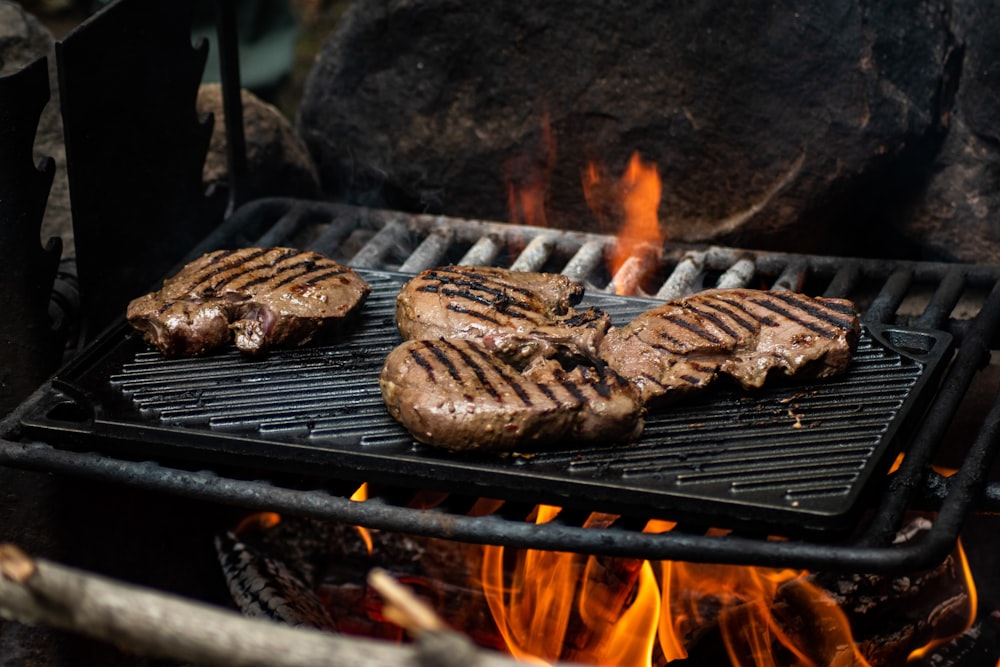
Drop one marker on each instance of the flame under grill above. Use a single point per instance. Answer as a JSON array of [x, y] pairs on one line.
[[791, 456]]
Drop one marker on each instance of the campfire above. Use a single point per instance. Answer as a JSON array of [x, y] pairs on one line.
[[545, 607]]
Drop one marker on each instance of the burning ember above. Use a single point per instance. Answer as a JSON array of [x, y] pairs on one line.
[[545, 606]]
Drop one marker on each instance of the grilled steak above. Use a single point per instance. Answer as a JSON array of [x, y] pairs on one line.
[[257, 297], [682, 346], [457, 395], [515, 314]]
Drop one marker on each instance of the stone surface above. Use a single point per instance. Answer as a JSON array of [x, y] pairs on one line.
[[772, 125], [278, 162], [957, 215]]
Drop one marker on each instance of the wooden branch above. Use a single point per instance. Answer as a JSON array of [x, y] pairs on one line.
[[151, 623]]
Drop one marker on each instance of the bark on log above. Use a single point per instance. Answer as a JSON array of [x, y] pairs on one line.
[[152, 623]]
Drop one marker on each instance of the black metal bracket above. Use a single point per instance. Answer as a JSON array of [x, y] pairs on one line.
[[30, 348], [135, 149]]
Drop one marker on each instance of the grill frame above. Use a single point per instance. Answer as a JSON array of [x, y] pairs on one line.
[[912, 487], [797, 457]]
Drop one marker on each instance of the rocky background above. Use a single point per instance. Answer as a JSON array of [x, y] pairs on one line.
[[849, 127], [852, 126]]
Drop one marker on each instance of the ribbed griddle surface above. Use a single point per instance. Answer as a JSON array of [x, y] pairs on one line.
[[792, 455]]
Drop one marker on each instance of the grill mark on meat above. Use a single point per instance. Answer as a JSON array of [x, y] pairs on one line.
[[324, 276], [473, 313], [500, 301], [167, 305], [234, 269], [763, 319], [695, 328], [477, 280], [701, 368], [819, 310], [423, 363], [794, 315], [474, 282], [477, 370], [601, 387], [265, 267], [445, 361], [837, 306], [723, 308], [548, 393], [212, 265], [677, 342], [570, 386], [719, 321], [512, 382], [287, 276]]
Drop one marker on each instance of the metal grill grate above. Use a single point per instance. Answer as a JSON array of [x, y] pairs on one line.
[[963, 300], [795, 456]]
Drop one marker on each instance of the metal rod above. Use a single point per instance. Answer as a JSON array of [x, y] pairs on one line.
[[738, 275], [377, 247], [843, 281], [791, 279], [585, 262], [973, 354], [282, 230], [482, 252], [232, 103], [534, 255], [430, 251], [628, 278], [884, 306], [947, 294], [683, 276], [489, 529]]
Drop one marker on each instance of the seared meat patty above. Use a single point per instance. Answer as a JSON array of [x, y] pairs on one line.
[[683, 345], [457, 395], [257, 297], [516, 314]]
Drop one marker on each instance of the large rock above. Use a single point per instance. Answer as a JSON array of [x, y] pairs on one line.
[[278, 163], [767, 122], [956, 215]]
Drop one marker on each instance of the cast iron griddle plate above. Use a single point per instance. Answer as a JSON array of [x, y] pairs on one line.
[[794, 455]]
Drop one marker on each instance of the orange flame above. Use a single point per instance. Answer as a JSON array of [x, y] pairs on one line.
[[972, 605], [556, 606], [563, 606], [632, 204], [527, 179], [258, 520], [360, 495], [614, 611]]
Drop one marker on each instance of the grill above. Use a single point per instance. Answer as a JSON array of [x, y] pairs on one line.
[[297, 431], [808, 464]]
